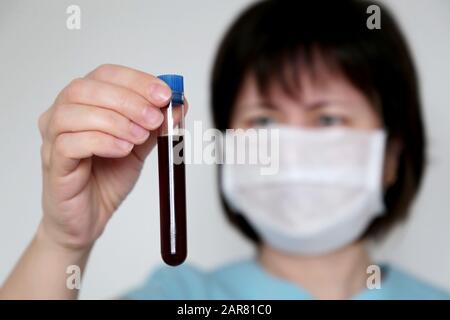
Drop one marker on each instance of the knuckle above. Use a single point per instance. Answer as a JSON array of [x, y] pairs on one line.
[[105, 120], [42, 122], [45, 157], [57, 120], [60, 146], [104, 70], [74, 89]]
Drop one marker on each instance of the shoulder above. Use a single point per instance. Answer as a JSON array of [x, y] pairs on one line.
[[165, 282], [191, 282], [404, 285], [233, 269]]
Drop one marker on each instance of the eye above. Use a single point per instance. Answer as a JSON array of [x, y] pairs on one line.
[[262, 121], [330, 120]]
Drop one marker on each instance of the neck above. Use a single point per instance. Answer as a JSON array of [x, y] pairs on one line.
[[337, 275]]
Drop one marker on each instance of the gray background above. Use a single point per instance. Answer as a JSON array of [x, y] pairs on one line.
[[38, 56]]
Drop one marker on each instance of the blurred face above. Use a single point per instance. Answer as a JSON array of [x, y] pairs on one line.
[[329, 101], [325, 101]]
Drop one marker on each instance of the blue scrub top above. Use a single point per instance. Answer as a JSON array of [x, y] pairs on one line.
[[249, 280]]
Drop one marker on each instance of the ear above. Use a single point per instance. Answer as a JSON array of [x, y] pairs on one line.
[[391, 161]]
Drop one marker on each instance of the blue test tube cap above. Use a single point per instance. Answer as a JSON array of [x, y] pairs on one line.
[[174, 81]]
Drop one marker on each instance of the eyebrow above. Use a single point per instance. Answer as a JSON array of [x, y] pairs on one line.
[[263, 104], [315, 105], [312, 106], [318, 104]]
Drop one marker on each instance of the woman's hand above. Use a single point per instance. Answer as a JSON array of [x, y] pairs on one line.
[[96, 136]]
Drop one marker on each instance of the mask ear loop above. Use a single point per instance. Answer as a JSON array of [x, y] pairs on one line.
[[378, 150]]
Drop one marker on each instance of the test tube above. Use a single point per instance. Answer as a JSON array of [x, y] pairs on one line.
[[172, 193]]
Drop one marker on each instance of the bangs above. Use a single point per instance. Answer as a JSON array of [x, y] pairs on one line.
[[281, 53], [284, 70], [287, 40]]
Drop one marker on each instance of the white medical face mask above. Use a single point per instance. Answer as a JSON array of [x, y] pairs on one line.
[[327, 191]]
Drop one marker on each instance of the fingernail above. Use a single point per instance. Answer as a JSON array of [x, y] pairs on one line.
[[153, 117], [137, 131], [125, 145], [160, 92]]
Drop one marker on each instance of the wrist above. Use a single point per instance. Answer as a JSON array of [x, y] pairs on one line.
[[46, 240]]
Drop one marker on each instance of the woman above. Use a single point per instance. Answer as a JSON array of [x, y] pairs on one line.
[[315, 71]]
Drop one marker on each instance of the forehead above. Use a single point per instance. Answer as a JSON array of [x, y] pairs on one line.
[[307, 86]]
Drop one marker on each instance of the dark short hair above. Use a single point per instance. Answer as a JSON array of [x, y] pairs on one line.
[[270, 35]]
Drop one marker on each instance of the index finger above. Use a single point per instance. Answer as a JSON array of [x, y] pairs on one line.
[[150, 87]]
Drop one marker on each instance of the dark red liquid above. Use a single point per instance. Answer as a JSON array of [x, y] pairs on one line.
[[172, 200]]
